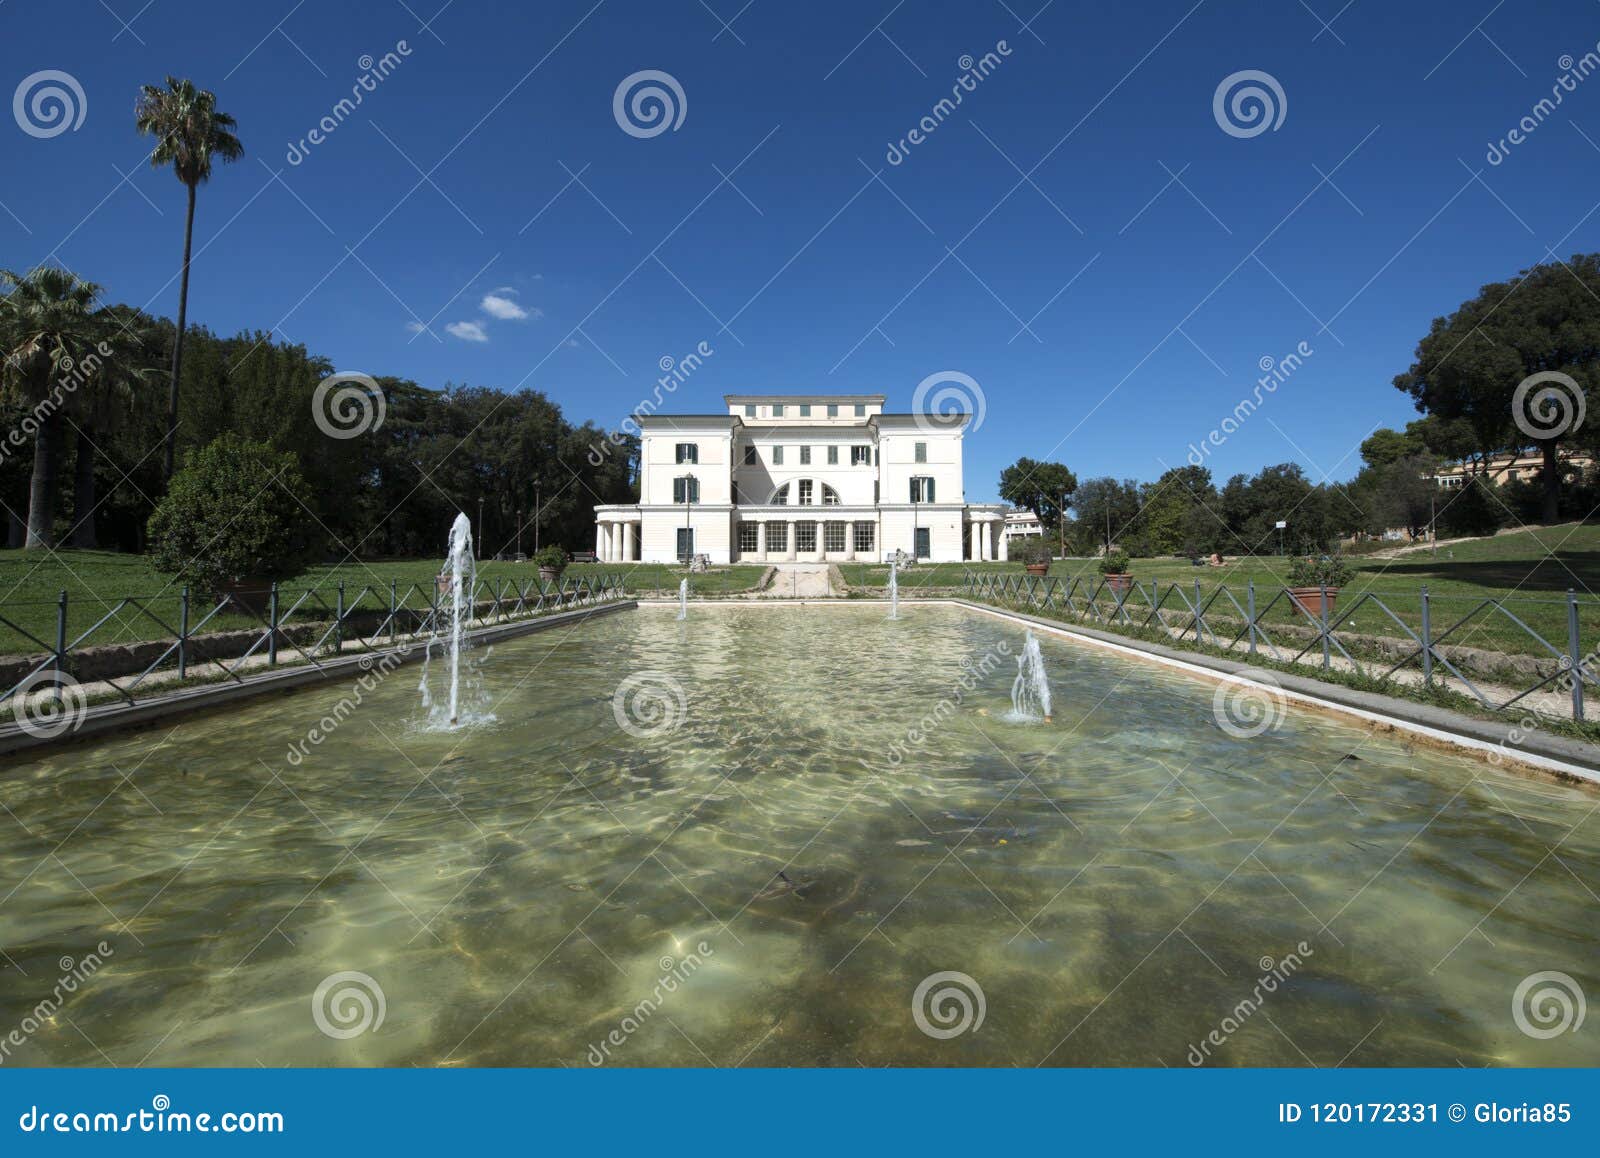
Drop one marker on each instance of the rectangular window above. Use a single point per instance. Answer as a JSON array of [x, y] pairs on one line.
[[749, 409], [805, 410], [685, 544], [777, 410], [920, 451], [777, 536], [863, 538], [688, 452], [833, 456], [805, 536], [749, 537], [805, 456], [805, 492], [833, 536], [750, 456], [921, 489], [777, 456], [686, 490], [861, 456], [861, 410], [833, 410]]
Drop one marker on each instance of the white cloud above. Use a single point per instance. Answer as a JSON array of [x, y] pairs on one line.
[[415, 327], [468, 331], [501, 304]]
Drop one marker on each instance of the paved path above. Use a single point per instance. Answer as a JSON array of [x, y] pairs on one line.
[[799, 581]]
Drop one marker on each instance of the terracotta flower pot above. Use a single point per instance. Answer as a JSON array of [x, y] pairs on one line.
[[1309, 600], [1038, 568], [549, 575], [1120, 582]]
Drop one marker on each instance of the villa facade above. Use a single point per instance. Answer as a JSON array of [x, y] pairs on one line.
[[808, 478]]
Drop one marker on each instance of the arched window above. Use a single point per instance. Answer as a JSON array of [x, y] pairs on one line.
[[830, 498], [780, 497]]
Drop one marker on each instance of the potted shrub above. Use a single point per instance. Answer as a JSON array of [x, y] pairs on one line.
[[230, 524], [1114, 566], [1312, 579], [1034, 554], [551, 561]]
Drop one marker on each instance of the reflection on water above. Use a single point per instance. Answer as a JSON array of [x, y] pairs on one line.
[[767, 874]]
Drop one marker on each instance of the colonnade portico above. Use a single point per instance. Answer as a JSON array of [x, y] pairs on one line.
[[986, 542], [616, 537]]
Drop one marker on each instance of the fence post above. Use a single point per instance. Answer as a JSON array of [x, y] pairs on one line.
[[1427, 640], [1323, 610], [1575, 646], [1250, 610], [1199, 620], [272, 625], [61, 644], [183, 634], [338, 622], [392, 612]]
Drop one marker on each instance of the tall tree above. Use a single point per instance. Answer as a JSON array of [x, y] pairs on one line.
[[1045, 488], [190, 133], [1477, 363], [48, 332]]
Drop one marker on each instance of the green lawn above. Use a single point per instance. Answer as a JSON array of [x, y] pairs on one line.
[[1531, 569], [96, 582]]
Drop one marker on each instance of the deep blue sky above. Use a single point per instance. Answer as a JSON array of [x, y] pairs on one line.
[[1150, 347]]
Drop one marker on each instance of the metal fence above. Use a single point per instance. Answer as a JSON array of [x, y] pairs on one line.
[[1413, 641], [298, 627]]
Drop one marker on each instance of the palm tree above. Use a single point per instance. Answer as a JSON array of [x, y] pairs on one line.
[[189, 133], [48, 331]]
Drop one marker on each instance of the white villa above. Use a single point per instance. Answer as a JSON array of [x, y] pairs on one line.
[[802, 477]]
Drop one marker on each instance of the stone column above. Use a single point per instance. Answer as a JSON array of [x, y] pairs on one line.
[[794, 539], [599, 540], [628, 537], [972, 541]]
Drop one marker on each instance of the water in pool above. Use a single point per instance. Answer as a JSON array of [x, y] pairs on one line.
[[760, 836]]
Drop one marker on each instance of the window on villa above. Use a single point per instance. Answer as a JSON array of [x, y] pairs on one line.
[[777, 410], [863, 537], [833, 410], [777, 536], [686, 489], [805, 410], [805, 492], [861, 456], [861, 410], [833, 536], [805, 536], [780, 497], [920, 451], [749, 537], [805, 456], [688, 452], [833, 456], [777, 456], [830, 497], [749, 456], [749, 410], [921, 489]]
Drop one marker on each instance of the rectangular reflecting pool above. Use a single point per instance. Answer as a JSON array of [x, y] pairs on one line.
[[779, 835]]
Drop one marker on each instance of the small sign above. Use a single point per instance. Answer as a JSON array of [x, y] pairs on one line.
[[1282, 524]]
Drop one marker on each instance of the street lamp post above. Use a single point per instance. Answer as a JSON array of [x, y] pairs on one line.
[[480, 524], [536, 513], [688, 525], [1061, 521], [519, 532]]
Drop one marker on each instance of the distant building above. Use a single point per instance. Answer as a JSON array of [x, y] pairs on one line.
[[1510, 468], [1022, 524], [808, 477]]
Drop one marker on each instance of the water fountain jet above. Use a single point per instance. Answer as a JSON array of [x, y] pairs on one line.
[[1030, 691]]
